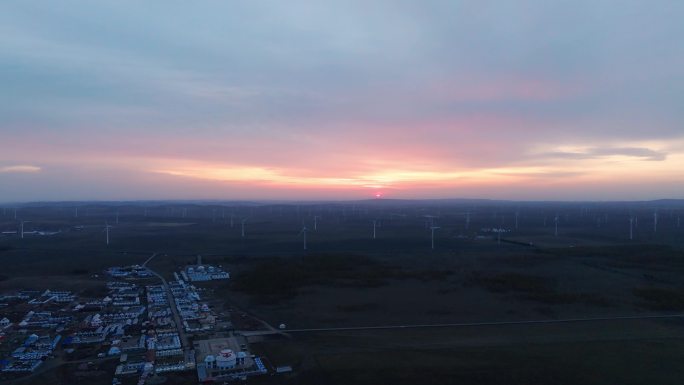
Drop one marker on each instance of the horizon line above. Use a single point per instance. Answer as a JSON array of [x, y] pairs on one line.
[[292, 201]]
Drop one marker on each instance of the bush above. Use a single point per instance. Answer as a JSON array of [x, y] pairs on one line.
[[506, 282], [277, 277], [661, 298], [556, 298], [282, 278], [357, 307], [539, 289]]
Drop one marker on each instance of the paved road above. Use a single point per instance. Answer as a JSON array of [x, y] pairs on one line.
[[149, 259], [174, 310], [253, 333], [467, 324]]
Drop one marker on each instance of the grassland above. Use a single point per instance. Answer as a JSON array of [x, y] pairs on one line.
[[347, 278]]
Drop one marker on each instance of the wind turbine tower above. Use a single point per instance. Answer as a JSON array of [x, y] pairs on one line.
[[655, 221], [631, 231], [303, 233], [22, 228], [375, 223], [316, 222], [243, 227], [555, 220], [106, 230], [432, 235]]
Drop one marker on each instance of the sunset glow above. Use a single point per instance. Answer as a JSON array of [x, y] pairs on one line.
[[302, 100]]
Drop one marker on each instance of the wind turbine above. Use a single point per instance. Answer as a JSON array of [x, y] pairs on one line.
[[429, 219], [106, 230], [432, 235], [316, 222], [22, 228], [631, 232], [243, 226], [375, 222], [655, 221], [555, 220], [303, 233]]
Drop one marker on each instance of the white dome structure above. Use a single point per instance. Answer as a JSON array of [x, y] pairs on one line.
[[226, 359]]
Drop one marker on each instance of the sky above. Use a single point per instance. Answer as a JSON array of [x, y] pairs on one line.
[[524, 100]]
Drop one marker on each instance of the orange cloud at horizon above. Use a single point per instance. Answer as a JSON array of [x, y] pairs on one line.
[[400, 166], [607, 169]]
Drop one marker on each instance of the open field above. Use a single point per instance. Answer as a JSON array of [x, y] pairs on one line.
[[624, 352], [346, 278]]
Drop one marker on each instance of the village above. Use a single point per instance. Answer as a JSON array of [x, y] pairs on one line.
[[145, 327]]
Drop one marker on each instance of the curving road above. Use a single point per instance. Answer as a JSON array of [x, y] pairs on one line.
[[149, 259], [172, 303]]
